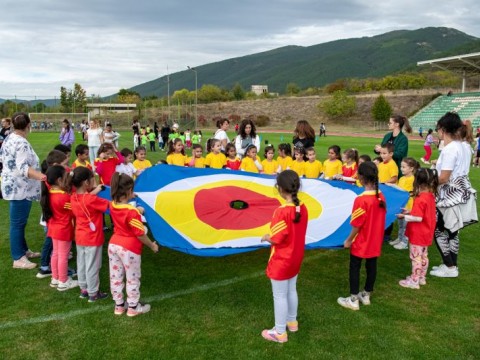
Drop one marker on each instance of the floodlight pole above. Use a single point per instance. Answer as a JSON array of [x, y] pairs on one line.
[[196, 94]]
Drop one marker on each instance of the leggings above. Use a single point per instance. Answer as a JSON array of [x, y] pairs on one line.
[[419, 257], [355, 266], [428, 152], [285, 302], [447, 242], [59, 259]]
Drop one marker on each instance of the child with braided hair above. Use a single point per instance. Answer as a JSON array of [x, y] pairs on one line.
[[287, 236], [365, 239]]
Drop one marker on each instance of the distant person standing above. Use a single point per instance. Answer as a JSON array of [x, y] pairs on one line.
[[303, 135], [164, 133], [323, 130], [221, 133], [95, 139], [428, 147], [420, 132], [67, 137], [247, 135]]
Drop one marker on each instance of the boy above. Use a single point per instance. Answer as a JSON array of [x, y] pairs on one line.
[[387, 169], [81, 151], [197, 160], [151, 139], [313, 167]]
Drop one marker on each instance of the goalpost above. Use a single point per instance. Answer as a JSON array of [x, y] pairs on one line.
[[53, 121]]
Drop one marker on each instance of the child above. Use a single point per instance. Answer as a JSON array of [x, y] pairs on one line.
[[197, 160], [140, 162], [363, 158], [105, 164], [57, 212], [152, 140], [81, 151], [215, 158], [387, 169], [144, 139], [365, 239], [110, 136], [332, 166], [127, 167], [476, 161], [284, 158], [125, 248], [250, 161], [287, 236], [408, 167], [298, 165], [350, 166], [313, 167], [421, 222], [88, 209], [195, 138], [428, 147], [136, 141], [188, 141], [270, 166], [233, 162], [176, 153]]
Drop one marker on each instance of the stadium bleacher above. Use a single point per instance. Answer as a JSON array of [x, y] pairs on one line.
[[467, 105]]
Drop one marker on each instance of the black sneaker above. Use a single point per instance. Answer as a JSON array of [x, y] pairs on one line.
[[41, 274], [72, 272], [98, 296], [83, 294]]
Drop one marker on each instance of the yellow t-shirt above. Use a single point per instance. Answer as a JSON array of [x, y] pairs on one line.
[[313, 169], [77, 163], [386, 171], [216, 161], [142, 164], [176, 159], [285, 163], [270, 167], [406, 183], [298, 167], [198, 163], [249, 165], [331, 168]]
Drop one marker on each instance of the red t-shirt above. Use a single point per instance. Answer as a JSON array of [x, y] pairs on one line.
[[60, 225], [106, 168], [88, 208], [127, 228], [369, 217], [288, 242], [350, 171], [421, 233], [234, 164]]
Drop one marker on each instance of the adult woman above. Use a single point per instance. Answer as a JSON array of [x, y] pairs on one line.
[[136, 127], [303, 135], [456, 199], [164, 133], [95, 139], [20, 186], [5, 130], [221, 133], [397, 138], [67, 136], [247, 135]]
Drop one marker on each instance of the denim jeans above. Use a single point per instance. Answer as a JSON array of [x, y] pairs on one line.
[[47, 249], [19, 212]]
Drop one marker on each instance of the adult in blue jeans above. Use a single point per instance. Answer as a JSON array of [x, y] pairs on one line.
[[20, 186]]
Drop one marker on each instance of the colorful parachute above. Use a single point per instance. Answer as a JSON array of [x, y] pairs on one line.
[[209, 212]]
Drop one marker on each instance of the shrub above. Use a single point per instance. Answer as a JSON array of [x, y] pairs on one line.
[[262, 120], [339, 105], [381, 109]]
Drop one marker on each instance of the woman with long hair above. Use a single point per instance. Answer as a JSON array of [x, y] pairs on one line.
[[247, 135], [67, 136]]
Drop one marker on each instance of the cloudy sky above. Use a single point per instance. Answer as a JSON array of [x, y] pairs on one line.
[[106, 45]]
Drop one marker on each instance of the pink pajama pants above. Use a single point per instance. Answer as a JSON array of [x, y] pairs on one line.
[[124, 264], [419, 257], [59, 259]]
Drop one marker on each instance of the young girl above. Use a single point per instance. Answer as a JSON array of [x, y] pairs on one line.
[[127, 167], [57, 212], [197, 160], [141, 163], [270, 166], [408, 167], [88, 208], [287, 236], [313, 167], [365, 239], [298, 165], [108, 159], [250, 161], [125, 248], [350, 166], [428, 147], [233, 161], [332, 166], [176, 153], [421, 222], [215, 158], [284, 158]]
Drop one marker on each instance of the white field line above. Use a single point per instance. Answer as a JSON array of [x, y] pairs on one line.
[[96, 308]]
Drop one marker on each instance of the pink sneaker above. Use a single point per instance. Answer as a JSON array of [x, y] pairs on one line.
[[272, 335], [409, 283], [422, 281], [121, 309], [292, 326], [23, 263]]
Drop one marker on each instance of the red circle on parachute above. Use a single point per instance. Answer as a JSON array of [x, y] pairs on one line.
[[212, 206]]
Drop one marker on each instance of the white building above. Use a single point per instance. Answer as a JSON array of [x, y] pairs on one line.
[[260, 89]]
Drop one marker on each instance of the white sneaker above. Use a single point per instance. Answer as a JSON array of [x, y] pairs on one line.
[[401, 246], [426, 162], [349, 303], [445, 272], [394, 242], [23, 263], [439, 267], [364, 297], [409, 283], [69, 284], [54, 283], [422, 160]]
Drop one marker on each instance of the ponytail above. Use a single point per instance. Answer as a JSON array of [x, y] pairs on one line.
[[53, 173], [381, 203]]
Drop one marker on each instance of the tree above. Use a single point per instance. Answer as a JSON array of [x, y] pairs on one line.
[[73, 100], [209, 93], [126, 96], [381, 109], [238, 92], [292, 89], [182, 96], [339, 105], [39, 107]]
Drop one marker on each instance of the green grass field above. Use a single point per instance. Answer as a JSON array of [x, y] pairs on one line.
[[217, 307]]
